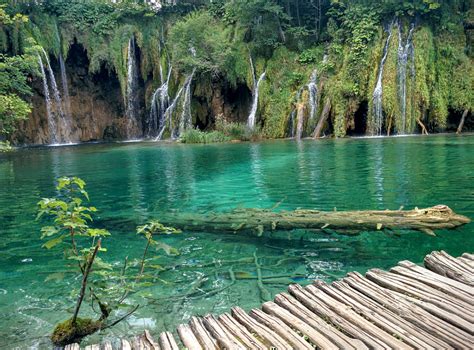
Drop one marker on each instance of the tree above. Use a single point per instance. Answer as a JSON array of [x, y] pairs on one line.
[[14, 72], [106, 288]]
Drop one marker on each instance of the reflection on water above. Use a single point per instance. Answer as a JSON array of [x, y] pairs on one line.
[[131, 183]]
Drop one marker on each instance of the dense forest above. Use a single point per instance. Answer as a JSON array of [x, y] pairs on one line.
[[86, 70]]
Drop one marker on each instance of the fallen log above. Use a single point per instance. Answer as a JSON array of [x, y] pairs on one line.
[[258, 221]]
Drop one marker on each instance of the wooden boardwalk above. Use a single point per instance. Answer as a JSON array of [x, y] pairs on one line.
[[408, 307]]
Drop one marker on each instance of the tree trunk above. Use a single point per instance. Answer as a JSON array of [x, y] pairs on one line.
[[257, 221], [461, 122], [84, 282], [322, 119], [423, 128]]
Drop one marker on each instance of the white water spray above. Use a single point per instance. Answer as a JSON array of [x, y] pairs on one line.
[[186, 121], [377, 94], [313, 94], [47, 101], [132, 91], [405, 52], [256, 86]]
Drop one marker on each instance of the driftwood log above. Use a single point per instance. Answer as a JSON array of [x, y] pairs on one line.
[[257, 221]]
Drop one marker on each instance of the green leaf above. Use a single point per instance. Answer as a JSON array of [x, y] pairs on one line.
[[48, 231], [54, 242], [96, 232]]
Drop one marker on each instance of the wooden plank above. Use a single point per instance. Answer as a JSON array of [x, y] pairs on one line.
[[468, 256], [225, 340], [202, 334], [384, 318], [260, 329], [437, 277], [281, 328], [466, 261], [346, 312], [458, 263], [440, 264], [398, 304], [125, 345], [434, 283], [459, 309], [240, 332], [290, 303], [316, 336], [149, 341], [167, 341], [319, 308], [188, 338]]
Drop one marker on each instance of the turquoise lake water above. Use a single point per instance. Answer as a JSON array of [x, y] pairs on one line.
[[134, 182]]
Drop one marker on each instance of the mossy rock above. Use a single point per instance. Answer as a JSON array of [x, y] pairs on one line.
[[67, 333]]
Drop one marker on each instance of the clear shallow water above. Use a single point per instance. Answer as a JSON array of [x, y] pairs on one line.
[[131, 183]]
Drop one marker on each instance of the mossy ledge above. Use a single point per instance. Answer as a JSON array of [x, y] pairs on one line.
[[67, 333]]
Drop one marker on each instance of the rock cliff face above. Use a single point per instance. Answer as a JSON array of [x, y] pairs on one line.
[[97, 106]]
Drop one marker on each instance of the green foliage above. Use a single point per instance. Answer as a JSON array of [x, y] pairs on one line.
[[202, 42], [70, 217], [70, 226], [154, 228], [5, 146], [312, 55], [259, 22], [198, 136], [14, 71], [236, 131]]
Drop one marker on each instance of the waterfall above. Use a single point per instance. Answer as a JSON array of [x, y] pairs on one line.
[[58, 122], [299, 121], [67, 102], [293, 113], [132, 91], [256, 85], [47, 100], [66, 117], [159, 103], [186, 120], [405, 52], [377, 94], [313, 94]]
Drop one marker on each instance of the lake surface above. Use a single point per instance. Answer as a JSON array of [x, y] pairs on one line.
[[132, 183]]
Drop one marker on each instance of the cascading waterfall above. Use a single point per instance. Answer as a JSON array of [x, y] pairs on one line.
[[405, 52], [377, 94], [293, 114], [132, 91], [313, 94], [47, 100], [159, 103], [65, 87], [256, 86], [186, 121], [59, 124]]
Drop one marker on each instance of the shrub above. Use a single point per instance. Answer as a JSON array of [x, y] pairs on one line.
[[198, 136]]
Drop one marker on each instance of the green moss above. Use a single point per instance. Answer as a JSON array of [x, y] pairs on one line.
[[67, 333]]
